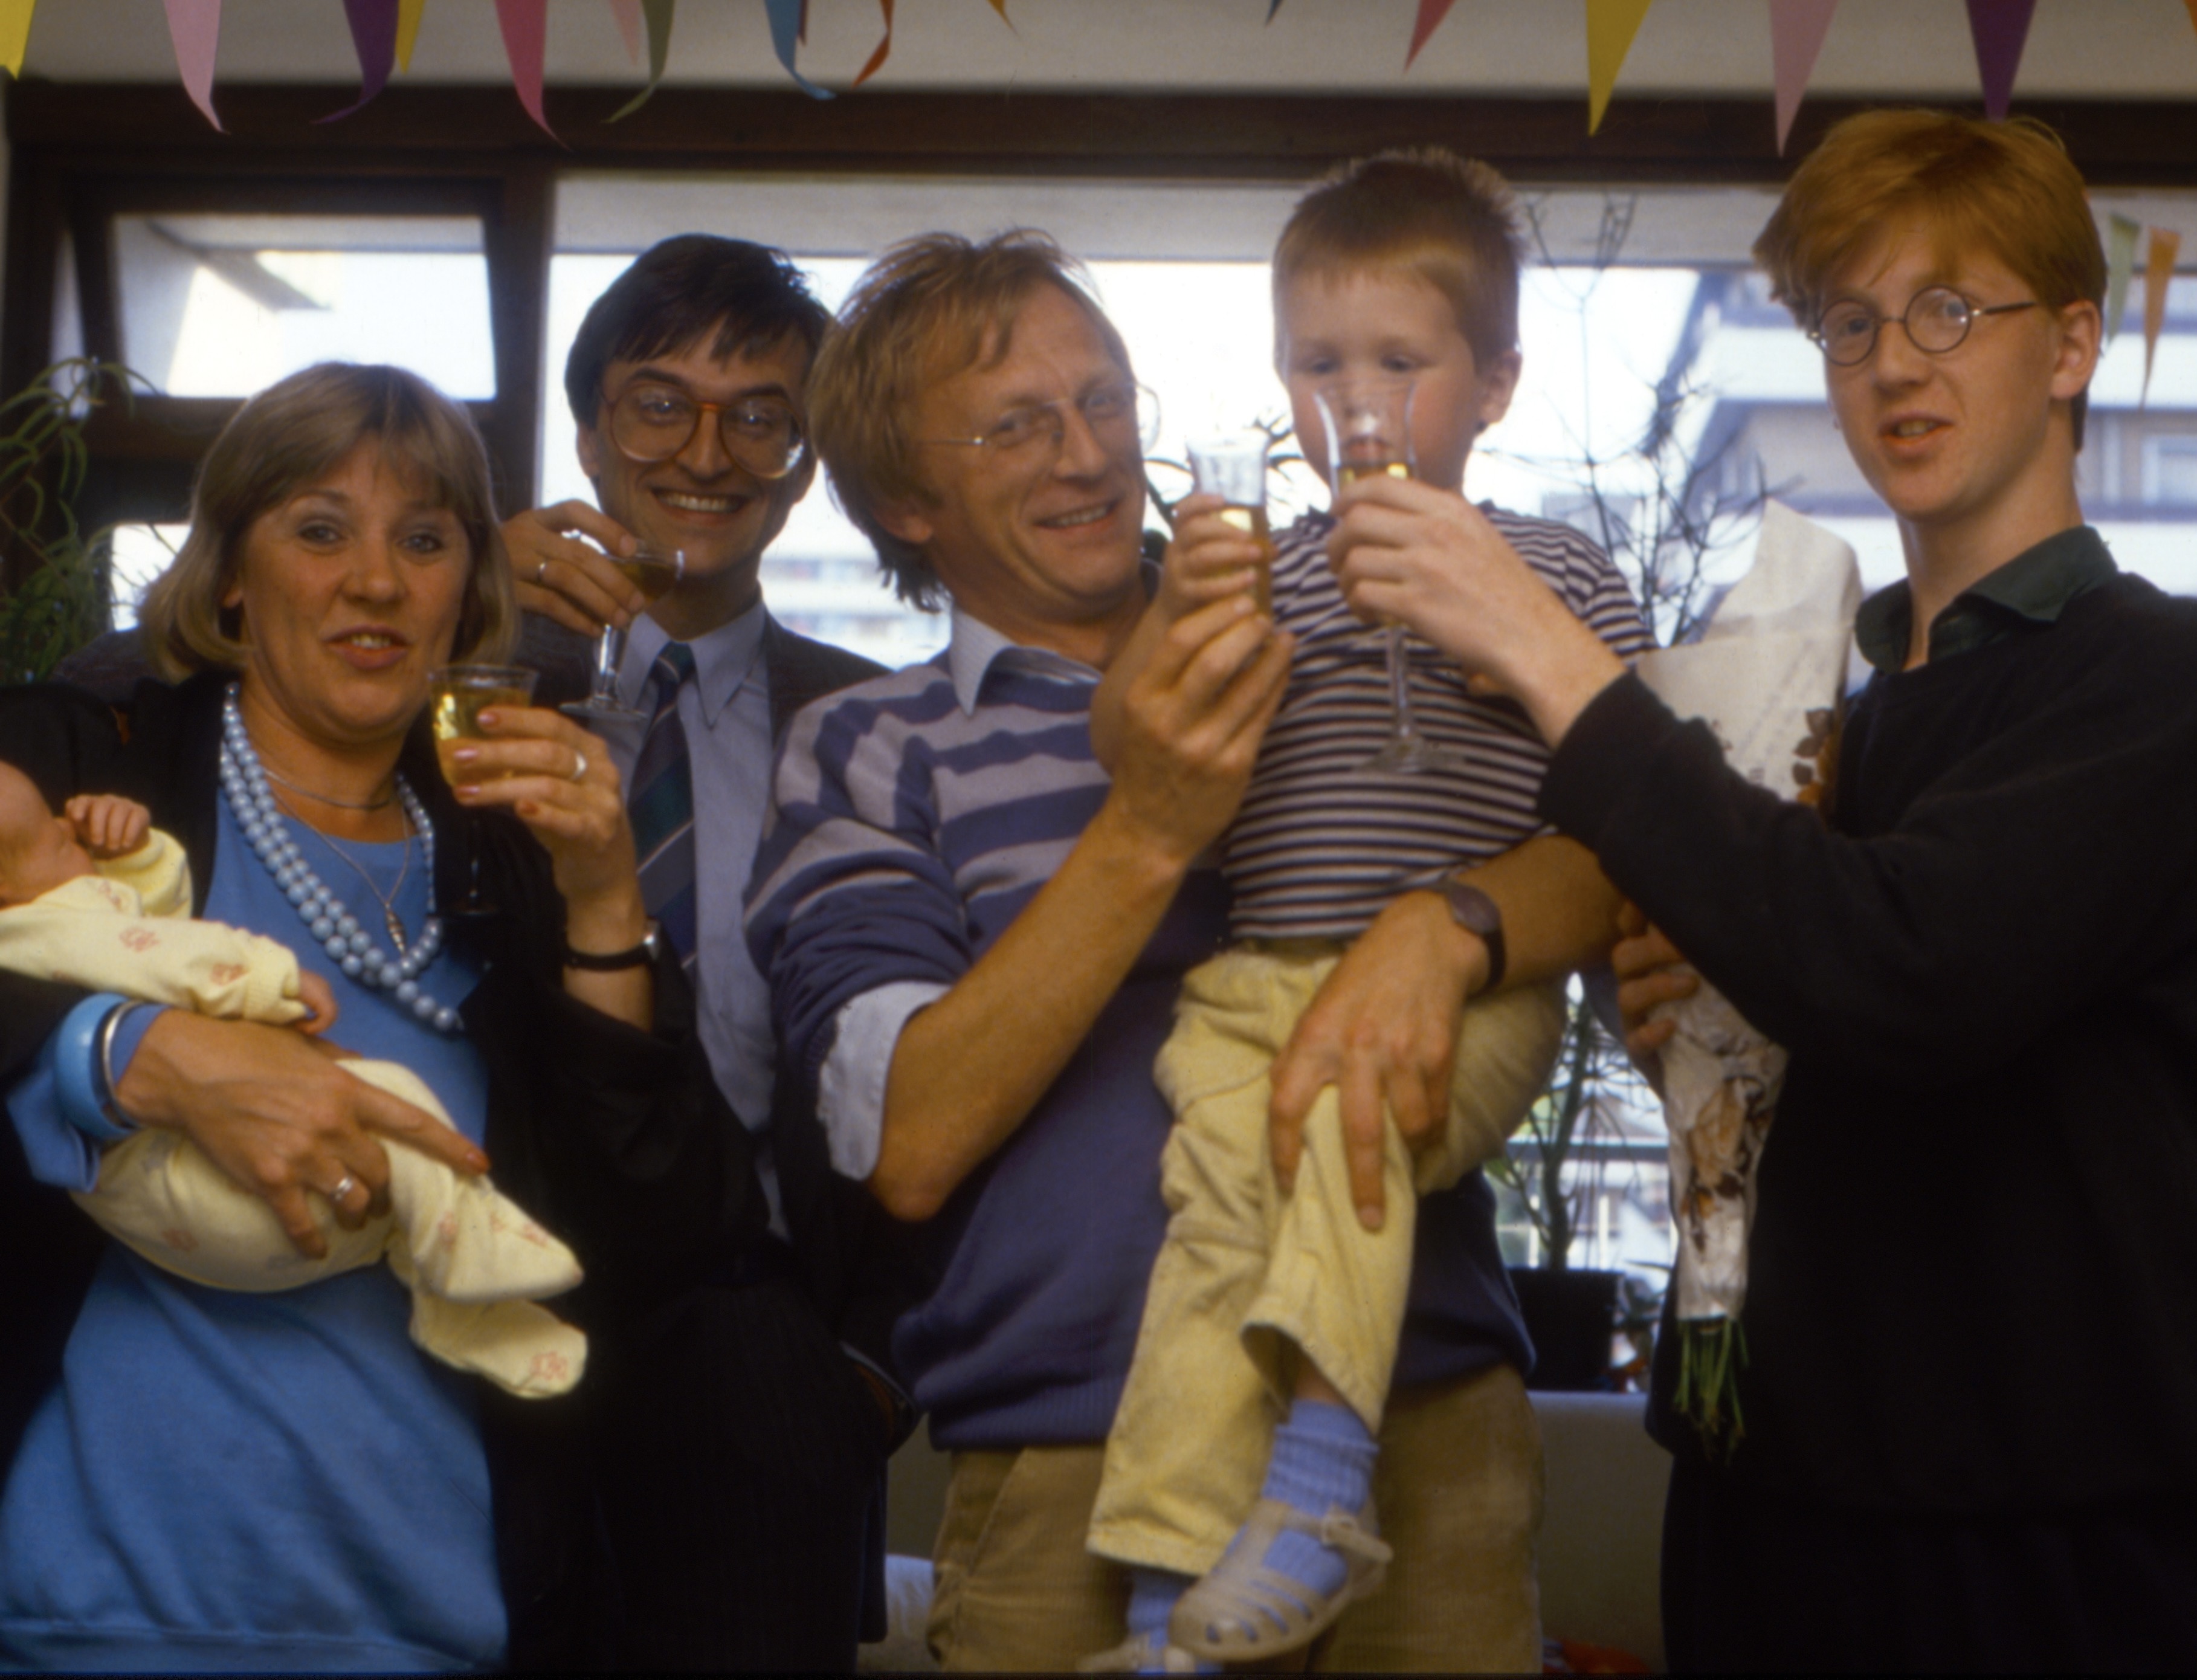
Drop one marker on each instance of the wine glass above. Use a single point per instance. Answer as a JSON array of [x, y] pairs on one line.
[[1233, 467], [653, 570], [456, 697], [1369, 435]]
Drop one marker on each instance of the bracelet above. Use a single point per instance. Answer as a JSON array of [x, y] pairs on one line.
[[108, 1105], [78, 1050], [609, 962]]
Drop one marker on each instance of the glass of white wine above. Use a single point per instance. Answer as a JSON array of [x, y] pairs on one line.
[[456, 697], [653, 570], [1369, 435], [1233, 467]]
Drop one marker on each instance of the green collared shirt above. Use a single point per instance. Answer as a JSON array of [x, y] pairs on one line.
[[2034, 587]]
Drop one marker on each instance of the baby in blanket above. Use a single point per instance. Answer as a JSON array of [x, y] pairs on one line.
[[98, 897]]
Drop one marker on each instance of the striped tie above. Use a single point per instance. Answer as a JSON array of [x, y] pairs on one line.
[[661, 804]]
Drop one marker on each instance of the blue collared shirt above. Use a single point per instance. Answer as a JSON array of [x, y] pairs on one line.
[[726, 713]]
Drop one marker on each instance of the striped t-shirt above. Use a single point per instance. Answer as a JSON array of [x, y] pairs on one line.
[[1322, 843]]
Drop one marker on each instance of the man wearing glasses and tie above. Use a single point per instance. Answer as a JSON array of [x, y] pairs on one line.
[[745, 1463]]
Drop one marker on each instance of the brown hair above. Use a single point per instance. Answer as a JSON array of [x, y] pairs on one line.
[[1452, 221], [2008, 188], [930, 305], [288, 439]]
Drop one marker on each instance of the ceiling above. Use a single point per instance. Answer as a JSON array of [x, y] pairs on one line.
[[2085, 48]]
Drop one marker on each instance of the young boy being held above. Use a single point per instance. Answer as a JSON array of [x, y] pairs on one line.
[[1271, 1308], [98, 897]]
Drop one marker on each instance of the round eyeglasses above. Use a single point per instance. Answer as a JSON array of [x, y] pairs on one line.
[[1117, 415], [1937, 320], [651, 423]]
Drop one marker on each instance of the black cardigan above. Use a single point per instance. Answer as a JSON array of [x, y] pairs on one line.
[[617, 1139], [1972, 1275]]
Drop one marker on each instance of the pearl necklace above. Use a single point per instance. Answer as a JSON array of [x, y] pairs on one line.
[[326, 917]]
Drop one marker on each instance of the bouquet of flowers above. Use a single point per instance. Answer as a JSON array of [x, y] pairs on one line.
[[1766, 674]]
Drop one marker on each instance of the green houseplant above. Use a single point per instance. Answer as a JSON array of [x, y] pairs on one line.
[[54, 597]]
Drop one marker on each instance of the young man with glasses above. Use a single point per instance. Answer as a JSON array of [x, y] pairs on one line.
[[748, 1457], [1970, 1391]]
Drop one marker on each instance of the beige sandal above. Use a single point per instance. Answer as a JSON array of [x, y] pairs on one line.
[[1243, 1610]]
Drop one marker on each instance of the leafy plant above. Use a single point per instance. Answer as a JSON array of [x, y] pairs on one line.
[[58, 598]]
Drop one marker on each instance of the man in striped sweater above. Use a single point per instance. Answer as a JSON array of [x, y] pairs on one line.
[[975, 938]]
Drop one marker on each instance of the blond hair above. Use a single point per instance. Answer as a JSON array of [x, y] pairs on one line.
[[2007, 187], [931, 305], [1451, 221], [282, 442]]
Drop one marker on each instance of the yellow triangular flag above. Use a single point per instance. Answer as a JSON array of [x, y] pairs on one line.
[[15, 32], [408, 28], [2158, 276], [1610, 27]]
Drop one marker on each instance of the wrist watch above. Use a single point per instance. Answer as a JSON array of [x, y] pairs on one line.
[[1472, 910], [609, 962]]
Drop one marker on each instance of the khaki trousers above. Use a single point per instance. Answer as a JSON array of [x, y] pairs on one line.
[[1458, 1485], [1246, 1274]]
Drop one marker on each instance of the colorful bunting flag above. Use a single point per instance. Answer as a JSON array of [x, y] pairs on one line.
[[1431, 13], [627, 15], [785, 37], [884, 47], [1000, 7], [2121, 232], [1999, 28], [408, 29], [656, 15], [525, 27], [374, 37], [15, 32], [2158, 275], [1610, 27], [1797, 28], [194, 29]]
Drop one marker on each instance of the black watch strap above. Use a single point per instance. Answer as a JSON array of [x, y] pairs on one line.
[[1472, 910], [609, 962]]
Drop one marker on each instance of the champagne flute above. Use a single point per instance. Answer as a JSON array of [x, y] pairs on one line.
[[653, 570], [456, 697], [1369, 435], [1233, 467]]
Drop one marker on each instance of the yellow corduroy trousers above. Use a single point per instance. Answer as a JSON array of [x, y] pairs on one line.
[[1247, 1274]]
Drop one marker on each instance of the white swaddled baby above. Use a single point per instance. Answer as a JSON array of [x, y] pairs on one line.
[[97, 897]]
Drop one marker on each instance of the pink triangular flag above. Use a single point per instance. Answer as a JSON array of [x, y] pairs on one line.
[[1431, 13], [525, 26], [2158, 276], [194, 28], [1999, 29], [627, 14], [1797, 28]]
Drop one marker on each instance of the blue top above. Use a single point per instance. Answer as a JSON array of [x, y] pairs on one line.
[[225, 1481], [916, 816]]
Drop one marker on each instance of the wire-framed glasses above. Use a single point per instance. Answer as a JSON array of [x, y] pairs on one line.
[[1937, 320], [651, 422], [1119, 413]]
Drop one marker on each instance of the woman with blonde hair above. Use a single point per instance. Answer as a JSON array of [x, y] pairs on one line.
[[197, 1479]]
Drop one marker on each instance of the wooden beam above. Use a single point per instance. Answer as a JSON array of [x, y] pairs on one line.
[[152, 128]]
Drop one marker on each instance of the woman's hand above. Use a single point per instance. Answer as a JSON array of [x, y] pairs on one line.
[[1208, 559], [1430, 560], [564, 579], [1381, 1031], [274, 1112], [1649, 971], [559, 781]]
